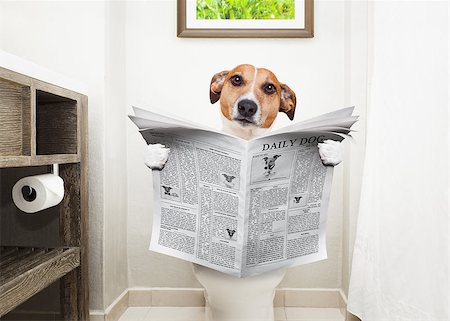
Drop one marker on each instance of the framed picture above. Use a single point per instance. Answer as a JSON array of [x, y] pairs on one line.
[[245, 18]]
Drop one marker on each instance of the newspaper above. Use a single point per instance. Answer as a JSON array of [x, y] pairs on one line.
[[242, 207]]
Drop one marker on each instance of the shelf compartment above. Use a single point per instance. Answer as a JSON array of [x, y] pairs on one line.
[[56, 124], [26, 271], [15, 119]]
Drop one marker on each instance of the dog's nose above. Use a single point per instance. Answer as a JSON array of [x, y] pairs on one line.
[[247, 108]]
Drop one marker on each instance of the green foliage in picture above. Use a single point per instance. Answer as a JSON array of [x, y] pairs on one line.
[[245, 9]]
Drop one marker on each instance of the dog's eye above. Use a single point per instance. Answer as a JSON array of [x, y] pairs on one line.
[[236, 80], [270, 89]]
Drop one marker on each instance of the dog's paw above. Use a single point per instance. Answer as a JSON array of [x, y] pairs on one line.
[[155, 156], [330, 152]]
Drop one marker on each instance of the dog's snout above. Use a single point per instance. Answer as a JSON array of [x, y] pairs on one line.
[[247, 108]]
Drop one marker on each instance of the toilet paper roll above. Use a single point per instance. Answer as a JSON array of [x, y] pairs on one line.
[[36, 193]]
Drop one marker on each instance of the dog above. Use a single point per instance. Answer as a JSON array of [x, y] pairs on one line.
[[166, 189], [231, 233], [228, 180], [270, 164], [250, 100]]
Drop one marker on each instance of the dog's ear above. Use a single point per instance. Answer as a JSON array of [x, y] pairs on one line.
[[216, 86], [288, 101]]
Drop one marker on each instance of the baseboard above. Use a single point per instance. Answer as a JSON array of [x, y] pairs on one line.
[[169, 297], [193, 297], [114, 311]]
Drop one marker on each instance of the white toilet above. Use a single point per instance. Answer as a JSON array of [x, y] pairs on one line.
[[230, 298]]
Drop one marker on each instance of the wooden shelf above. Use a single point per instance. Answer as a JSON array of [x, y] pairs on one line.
[[38, 160], [43, 124], [26, 271]]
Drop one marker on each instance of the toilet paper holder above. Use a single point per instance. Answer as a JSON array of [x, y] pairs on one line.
[[55, 169], [29, 193]]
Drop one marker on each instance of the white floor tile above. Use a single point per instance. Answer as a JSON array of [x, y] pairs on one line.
[[135, 314], [313, 314], [198, 314], [176, 314]]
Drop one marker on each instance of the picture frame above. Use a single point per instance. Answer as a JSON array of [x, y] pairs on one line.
[[188, 26]]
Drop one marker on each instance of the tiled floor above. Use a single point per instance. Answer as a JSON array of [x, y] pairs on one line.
[[197, 314]]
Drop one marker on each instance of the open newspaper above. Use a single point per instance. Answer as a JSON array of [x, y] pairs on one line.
[[242, 207]]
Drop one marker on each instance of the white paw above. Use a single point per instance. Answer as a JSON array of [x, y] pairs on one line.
[[330, 152], [156, 155]]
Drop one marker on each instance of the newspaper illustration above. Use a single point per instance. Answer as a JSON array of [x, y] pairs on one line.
[[242, 207]]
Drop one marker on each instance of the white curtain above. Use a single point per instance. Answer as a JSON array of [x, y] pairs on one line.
[[400, 259]]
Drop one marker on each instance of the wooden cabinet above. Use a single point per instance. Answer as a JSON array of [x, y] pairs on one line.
[[42, 124]]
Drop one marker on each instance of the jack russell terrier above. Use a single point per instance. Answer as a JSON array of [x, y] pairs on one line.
[[228, 182], [270, 164], [250, 100]]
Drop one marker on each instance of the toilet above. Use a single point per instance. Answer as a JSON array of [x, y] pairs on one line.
[[230, 298]]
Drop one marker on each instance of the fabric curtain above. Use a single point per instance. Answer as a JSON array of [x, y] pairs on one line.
[[400, 258]]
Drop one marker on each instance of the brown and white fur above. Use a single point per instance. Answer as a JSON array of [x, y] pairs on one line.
[[250, 100]]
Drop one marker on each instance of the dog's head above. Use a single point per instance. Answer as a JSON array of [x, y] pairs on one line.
[[228, 178], [166, 189], [251, 97], [270, 162]]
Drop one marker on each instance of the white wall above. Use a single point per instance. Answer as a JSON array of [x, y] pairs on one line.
[[115, 45], [173, 74], [115, 182], [70, 38]]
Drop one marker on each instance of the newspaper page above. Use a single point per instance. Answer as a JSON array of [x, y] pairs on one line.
[[242, 207], [287, 198], [199, 198]]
